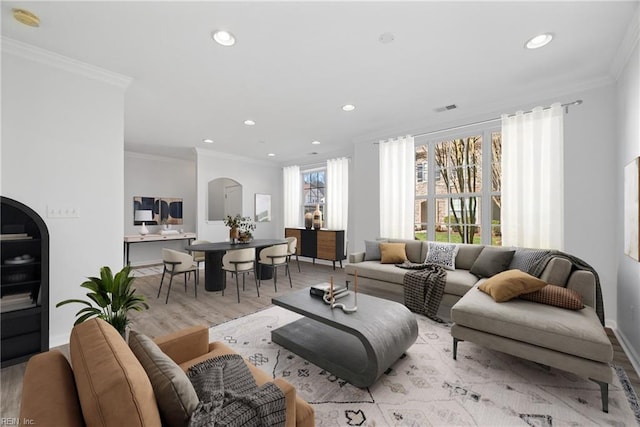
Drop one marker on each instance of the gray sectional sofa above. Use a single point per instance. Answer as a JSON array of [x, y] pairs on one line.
[[570, 340], [386, 279]]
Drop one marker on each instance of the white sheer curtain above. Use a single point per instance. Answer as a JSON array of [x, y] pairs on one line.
[[532, 211], [397, 187], [337, 201], [292, 193]]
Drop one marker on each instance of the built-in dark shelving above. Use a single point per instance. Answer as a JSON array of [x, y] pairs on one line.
[[24, 282]]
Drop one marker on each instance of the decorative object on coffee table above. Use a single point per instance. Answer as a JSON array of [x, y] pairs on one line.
[[331, 297]]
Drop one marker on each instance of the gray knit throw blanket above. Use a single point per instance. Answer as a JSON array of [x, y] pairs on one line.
[[423, 288], [229, 395], [577, 264]]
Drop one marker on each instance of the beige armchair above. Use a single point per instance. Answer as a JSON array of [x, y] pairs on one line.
[[240, 261], [275, 256], [198, 256], [176, 262]]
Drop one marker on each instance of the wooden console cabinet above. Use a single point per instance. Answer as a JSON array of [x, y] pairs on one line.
[[320, 244]]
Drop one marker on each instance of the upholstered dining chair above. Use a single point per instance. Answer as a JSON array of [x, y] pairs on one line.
[[275, 256], [240, 261], [176, 262], [292, 246], [198, 256]]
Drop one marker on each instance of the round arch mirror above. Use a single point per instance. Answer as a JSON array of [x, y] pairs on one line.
[[224, 198]]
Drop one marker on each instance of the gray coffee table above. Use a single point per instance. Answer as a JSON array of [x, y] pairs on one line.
[[357, 347]]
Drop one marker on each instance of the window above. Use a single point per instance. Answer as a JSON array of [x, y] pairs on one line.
[[457, 206], [313, 187]]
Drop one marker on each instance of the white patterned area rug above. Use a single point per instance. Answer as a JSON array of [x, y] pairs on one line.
[[426, 387]]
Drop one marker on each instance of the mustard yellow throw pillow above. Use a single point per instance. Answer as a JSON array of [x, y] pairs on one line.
[[510, 284], [392, 253]]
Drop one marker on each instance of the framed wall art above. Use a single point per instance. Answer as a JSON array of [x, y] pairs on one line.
[[263, 208]]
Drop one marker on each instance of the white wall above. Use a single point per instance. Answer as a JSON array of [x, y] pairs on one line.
[[590, 196], [628, 273], [62, 146], [255, 177], [155, 176]]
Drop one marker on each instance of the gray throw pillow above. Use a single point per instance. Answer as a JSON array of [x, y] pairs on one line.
[[372, 250], [175, 394], [492, 261], [443, 254]]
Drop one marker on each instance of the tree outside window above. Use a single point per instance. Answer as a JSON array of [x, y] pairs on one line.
[[314, 187], [457, 193]]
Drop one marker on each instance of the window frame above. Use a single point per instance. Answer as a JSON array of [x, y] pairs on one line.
[[312, 207], [486, 194]]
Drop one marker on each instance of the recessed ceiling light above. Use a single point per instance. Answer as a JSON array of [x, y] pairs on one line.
[[348, 107], [315, 142], [25, 17], [249, 122], [539, 41], [224, 38], [207, 141], [271, 154]]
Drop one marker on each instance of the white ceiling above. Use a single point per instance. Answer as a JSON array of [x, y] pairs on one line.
[[296, 63]]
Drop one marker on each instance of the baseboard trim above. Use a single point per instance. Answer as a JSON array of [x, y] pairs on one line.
[[634, 358]]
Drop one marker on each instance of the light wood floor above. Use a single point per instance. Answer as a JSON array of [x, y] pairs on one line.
[[211, 308]]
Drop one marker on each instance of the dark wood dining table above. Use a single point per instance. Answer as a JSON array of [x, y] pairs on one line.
[[214, 275]]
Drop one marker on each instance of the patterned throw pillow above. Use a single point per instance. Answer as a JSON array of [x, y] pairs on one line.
[[443, 254], [556, 296]]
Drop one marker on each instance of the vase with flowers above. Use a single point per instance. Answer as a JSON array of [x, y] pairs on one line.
[[240, 228]]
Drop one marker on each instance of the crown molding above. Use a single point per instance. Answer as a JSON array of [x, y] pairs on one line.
[[627, 46], [204, 152], [36, 54], [147, 156]]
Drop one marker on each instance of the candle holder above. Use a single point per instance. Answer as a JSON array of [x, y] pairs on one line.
[[329, 298]]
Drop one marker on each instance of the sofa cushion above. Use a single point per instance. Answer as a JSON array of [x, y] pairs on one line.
[[413, 249], [556, 296], [467, 255], [392, 253], [509, 284], [576, 332], [557, 271], [372, 250], [443, 254], [175, 394], [491, 261], [459, 282], [113, 388], [377, 271]]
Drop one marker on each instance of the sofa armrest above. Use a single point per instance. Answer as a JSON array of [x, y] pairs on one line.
[[356, 257], [289, 399], [584, 283], [186, 344], [49, 392]]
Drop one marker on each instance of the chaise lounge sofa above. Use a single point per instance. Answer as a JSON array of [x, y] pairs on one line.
[[108, 385], [375, 275], [573, 340]]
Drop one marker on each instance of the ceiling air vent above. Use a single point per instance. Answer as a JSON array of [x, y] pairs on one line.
[[446, 108]]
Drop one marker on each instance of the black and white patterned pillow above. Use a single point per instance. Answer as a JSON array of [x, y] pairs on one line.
[[443, 254], [525, 259]]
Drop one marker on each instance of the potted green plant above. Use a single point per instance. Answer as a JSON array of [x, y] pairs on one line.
[[110, 298]]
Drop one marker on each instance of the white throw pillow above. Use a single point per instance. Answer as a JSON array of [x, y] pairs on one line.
[[443, 254]]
